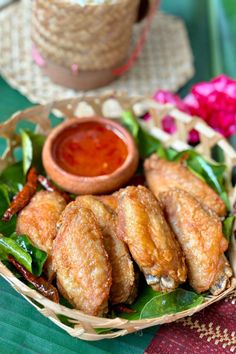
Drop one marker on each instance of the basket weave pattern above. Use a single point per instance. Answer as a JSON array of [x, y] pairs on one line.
[[111, 107], [94, 37]]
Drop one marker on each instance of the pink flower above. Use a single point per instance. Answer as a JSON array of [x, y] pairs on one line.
[[163, 96], [216, 103], [168, 123], [213, 101]]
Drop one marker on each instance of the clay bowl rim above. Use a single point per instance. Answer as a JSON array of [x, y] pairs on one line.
[[132, 155]]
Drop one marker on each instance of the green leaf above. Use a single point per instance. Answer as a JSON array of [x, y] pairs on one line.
[[207, 170], [152, 303], [6, 228], [65, 302], [66, 320], [196, 174], [173, 302], [38, 256], [131, 124], [104, 330], [27, 150], [225, 198], [211, 173], [32, 145], [144, 297], [162, 152], [38, 141], [171, 153], [147, 144], [13, 177], [9, 246], [228, 224], [21, 248]]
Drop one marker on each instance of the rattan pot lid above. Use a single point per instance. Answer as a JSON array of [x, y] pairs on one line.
[[156, 68]]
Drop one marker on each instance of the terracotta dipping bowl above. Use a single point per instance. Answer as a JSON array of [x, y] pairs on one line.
[[90, 185]]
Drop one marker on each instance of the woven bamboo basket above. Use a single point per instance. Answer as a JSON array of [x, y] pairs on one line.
[[81, 46], [111, 106]]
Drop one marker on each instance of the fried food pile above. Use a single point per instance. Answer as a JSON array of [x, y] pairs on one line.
[[98, 245], [193, 211]]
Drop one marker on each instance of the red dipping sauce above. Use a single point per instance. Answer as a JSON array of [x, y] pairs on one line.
[[89, 149]]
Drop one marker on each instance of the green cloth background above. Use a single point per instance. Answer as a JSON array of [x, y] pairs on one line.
[[212, 29]]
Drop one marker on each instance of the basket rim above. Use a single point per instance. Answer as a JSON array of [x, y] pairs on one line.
[[9, 276], [51, 309]]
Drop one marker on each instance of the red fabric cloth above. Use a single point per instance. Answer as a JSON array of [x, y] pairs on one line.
[[211, 331]]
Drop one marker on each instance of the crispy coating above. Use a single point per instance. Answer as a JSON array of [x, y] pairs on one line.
[[199, 233], [81, 262], [38, 221], [162, 175], [141, 224], [123, 287], [110, 201]]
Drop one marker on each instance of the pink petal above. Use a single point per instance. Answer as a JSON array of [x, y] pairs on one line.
[[221, 82], [221, 101], [231, 130], [168, 124], [203, 89], [193, 137], [192, 104], [223, 121], [163, 96], [213, 101]]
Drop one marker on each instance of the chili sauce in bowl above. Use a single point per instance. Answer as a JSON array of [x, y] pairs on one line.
[[90, 155]]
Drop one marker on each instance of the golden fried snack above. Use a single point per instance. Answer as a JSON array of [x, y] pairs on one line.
[[163, 175], [38, 221], [81, 262], [110, 201], [199, 233], [123, 289], [141, 224]]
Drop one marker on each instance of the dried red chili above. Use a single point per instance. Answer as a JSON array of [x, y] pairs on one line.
[[52, 188], [43, 287], [24, 196]]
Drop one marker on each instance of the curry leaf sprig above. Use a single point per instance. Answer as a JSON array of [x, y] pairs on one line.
[[12, 179], [18, 246]]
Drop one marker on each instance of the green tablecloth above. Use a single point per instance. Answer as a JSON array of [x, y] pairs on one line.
[[212, 28]]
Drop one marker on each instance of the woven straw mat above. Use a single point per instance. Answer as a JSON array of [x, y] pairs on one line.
[[166, 61]]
